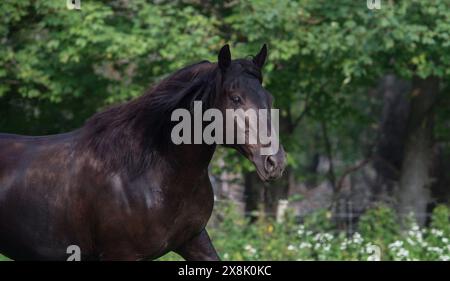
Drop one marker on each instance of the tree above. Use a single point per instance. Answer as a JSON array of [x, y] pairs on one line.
[[324, 54]]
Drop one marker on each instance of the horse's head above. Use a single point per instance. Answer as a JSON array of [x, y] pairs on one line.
[[240, 90]]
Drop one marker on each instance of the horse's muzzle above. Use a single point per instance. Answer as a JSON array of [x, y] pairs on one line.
[[271, 167]]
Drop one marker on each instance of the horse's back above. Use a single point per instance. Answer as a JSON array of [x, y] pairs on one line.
[[12, 148], [21, 157], [6, 138], [18, 150], [32, 170]]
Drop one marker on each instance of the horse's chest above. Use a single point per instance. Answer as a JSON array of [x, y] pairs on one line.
[[182, 213], [191, 212], [158, 218]]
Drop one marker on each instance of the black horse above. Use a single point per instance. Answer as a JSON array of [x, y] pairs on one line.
[[118, 188]]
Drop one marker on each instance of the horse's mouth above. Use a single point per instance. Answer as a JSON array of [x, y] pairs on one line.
[[266, 176], [270, 167]]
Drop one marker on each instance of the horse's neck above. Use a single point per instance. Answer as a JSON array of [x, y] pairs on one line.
[[193, 157]]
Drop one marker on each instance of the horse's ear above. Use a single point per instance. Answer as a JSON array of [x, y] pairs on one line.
[[260, 58], [224, 57]]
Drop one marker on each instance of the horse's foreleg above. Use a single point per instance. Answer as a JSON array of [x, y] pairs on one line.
[[198, 248]]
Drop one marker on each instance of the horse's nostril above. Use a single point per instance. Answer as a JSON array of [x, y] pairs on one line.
[[270, 164]]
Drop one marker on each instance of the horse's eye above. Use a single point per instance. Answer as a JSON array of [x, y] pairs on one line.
[[236, 99]]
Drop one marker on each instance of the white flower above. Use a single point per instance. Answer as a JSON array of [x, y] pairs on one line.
[[250, 249], [291, 248], [301, 230], [437, 232], [396, 244], [403, 253], [328, 236], [357, 239], [436, 250], [305, 245], [317, 237], [410, 241], [444, 258]]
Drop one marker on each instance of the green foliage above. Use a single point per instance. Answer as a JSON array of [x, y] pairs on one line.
[[440, 219], [235, 238], [319, 220], [379, 225], [84, 60]]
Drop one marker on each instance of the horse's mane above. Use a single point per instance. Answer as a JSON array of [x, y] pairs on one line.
[[129, 135]]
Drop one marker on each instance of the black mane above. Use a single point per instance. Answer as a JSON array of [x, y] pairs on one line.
[[130, 134]]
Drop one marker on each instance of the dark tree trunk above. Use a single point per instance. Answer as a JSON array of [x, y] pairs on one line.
[[274, 192], [253, 195], [260, 196], [388, 157], [414, 185]]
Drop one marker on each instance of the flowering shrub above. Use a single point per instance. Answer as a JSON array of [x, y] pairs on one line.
[[379, 236]]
